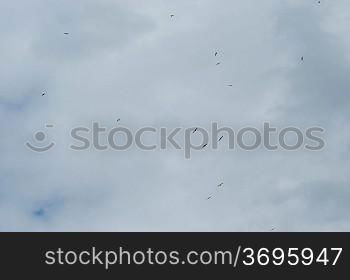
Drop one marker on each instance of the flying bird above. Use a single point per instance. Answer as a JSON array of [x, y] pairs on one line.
[[216, 53], [209, 197], [172, 16], [221, 138], [66, 33], [204, 146], [218, 63], [230, 85], [302, 58], [195, 130], [118, 120], [44, 93], [221, 184]]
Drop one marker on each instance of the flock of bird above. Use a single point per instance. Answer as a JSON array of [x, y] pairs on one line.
[[216, 53], [220, 186]]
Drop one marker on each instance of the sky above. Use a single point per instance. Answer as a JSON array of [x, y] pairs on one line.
[[131, 60]]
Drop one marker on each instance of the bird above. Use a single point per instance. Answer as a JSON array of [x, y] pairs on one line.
[[118, 120], [66, 33], [230, 85], [221, 184], [44, 93], [209, 197], [221, 138], [195, 130], [273, 229], [302, 58], [172, 16], [204, 146], [216, 53], [218, 63]]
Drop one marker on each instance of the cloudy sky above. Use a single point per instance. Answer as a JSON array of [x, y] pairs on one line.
[[131, 60]]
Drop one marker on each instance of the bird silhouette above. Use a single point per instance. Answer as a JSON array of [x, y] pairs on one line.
[[221, 138], [214, 194], [302, 58], [172, 16], [216, 53], [44, 93], [204, 146], [218, 63], [65, 33], [118, 120], [195, 130], [230, 85]]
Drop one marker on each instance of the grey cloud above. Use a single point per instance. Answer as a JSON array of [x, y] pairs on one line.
[[129, 60]]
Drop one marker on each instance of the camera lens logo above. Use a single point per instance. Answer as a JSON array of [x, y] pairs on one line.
[[39, 138]]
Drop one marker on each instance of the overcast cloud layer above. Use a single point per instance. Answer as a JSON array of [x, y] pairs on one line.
[[130, 60]]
